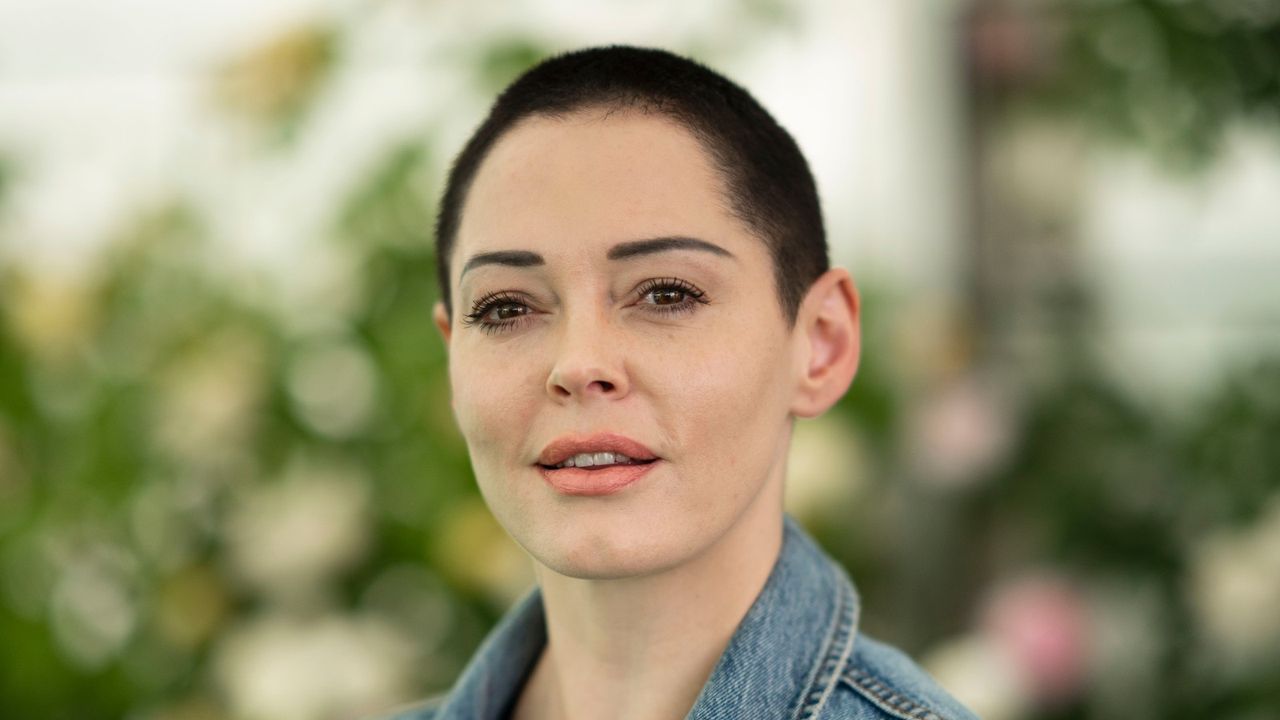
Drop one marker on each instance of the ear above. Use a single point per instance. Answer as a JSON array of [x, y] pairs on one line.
[[829, 336], [441, 318]]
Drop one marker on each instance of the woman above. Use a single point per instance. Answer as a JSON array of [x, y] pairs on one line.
[[637, 304]]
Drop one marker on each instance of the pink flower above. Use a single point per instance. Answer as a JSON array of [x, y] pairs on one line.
[[1042, 623]]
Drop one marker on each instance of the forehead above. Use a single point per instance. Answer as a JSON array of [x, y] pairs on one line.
[[593, 179]]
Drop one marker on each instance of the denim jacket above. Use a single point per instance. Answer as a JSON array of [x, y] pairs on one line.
[[796, 655]]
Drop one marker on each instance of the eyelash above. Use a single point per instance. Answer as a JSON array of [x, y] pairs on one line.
[[502, 298]]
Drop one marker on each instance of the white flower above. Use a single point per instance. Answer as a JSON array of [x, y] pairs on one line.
[[291, 536], [1235, 591], [826, 468], [982, 675], [333, 387], [93, 611], [52, 314], [208, 400], [282, 668]]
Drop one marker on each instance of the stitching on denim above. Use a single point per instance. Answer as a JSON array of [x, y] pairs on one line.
[[887, 698], [802, 711], [839, 646]]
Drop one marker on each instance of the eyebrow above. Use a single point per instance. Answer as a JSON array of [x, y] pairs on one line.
[[510, 258], [621, 251], [636, 248]]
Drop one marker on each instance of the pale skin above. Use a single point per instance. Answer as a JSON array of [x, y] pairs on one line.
[[643, 588]]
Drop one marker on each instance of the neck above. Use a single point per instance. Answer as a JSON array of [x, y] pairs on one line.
[[641, 648]]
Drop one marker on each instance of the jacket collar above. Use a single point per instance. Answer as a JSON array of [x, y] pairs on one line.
[[786, 654]]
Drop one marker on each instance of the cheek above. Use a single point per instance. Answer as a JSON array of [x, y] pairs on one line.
[[491, 404], [729, 400]]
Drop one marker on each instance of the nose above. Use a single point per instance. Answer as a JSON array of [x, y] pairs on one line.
[[587, 362]]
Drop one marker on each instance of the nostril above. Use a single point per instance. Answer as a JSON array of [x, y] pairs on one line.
[[564, 387]]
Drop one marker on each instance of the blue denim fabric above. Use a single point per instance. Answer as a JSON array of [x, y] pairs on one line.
[[796, 655]]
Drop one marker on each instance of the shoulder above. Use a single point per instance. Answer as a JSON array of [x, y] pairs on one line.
[[418, 710], [882, 677]]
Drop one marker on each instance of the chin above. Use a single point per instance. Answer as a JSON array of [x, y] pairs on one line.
[[605, 556]]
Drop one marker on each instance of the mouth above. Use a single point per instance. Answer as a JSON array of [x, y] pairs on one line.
[[596, 461], [598, 464], [604, 479], [602, 449]]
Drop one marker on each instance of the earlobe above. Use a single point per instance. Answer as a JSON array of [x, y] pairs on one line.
[[831, 334], [441, 318]]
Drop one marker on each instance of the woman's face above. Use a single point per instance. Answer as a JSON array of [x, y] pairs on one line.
[[683, 350]]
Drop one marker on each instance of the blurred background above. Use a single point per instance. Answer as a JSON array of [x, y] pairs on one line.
[[230, 483]]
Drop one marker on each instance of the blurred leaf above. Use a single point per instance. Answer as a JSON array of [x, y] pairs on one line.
[[1170, 76], [393, 205], [6, 179], [275, 83], [1231, 452], [499, 63]]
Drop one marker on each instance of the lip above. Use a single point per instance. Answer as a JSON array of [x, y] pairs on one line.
[[567, 446], [592, 481], [586, 481]]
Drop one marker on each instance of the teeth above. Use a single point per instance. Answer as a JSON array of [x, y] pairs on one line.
[[593, 459]]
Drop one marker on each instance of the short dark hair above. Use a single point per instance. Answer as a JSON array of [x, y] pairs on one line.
[[767, 180]]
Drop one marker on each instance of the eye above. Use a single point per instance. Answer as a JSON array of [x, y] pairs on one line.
[[496, 312], [672, 295]]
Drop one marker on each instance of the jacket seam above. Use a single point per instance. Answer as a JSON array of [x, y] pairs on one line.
[[887, 698], [839, 644]]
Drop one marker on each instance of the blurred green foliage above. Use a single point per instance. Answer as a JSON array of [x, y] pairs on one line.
[[1171, 75]]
